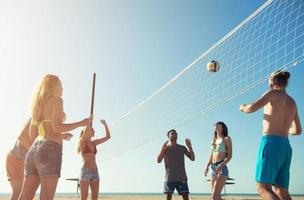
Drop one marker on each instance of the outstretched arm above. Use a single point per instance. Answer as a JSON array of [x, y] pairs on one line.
[[189, 153], [252, 107], [57, 124], [108, 135]]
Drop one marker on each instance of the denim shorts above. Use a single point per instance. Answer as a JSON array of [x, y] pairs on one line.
[[44, 158], [224, 171], [89, 175], [19, 151], [180, 186]]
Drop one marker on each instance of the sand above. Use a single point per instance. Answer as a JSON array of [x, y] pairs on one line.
[[158, 197]]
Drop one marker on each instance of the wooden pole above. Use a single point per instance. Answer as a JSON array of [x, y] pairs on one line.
[[93, 94]]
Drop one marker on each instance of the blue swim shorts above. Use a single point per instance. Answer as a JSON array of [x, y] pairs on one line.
[[273, 162], [180, 186]]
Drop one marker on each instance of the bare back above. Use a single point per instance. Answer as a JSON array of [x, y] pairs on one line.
[[49, 117], [279, 113], [24, 136]]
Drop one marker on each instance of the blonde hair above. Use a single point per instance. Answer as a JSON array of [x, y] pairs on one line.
[[47, 89], [81, 139]]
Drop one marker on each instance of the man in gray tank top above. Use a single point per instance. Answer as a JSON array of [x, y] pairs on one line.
[[174, 159]]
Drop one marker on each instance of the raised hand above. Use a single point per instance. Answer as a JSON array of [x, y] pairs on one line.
[[165, 145], [188, 142], [242, 107], [87, 121], [103, 121]]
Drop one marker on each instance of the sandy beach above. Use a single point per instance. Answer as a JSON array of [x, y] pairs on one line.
[[159, 197], [132, 197]]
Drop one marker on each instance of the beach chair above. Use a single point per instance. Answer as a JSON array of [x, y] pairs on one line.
[[78, 184], [228, 182]]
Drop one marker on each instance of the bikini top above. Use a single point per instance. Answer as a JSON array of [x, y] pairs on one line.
[[41, 129], [87, 149], [219, 147]]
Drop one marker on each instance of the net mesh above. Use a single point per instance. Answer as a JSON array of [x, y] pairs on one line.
[[271, 38]]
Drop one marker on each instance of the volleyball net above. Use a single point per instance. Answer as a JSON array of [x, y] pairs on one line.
[[271, 38]]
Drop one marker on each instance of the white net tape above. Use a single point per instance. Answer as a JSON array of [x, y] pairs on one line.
[[271, 38]]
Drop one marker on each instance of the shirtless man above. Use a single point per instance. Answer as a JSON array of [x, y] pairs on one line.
[[280, 119]]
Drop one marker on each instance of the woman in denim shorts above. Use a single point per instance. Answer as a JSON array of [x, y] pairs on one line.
[[89, 176], [221, 154], [43, 160], [15, 161]]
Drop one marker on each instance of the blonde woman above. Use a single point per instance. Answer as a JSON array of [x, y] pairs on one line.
[[221, 154], [89, 176], [15, 161], [43, 160]]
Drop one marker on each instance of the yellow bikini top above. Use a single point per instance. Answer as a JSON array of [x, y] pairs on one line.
[[41, 129]]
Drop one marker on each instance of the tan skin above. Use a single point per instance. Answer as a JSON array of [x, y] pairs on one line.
[[24, 139], [56, 131], [280, 118], [189, 153], [24, 136], [217, 183], [89, 160]]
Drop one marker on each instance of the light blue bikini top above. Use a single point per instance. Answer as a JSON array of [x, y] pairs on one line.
[[219, 147]]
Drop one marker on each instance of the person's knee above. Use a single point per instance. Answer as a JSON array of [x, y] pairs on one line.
[[15, 195], [46, 197], [168, 195], [185, 196], [16, 189], [215, 196], [94, 196], [83, 195], [23, 196], [282, 193], [262, 189]]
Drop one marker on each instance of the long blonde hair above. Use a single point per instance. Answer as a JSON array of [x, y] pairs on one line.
[[82, 137], [47, 89]]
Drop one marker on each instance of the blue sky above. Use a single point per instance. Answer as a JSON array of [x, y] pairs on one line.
[[135, 47]]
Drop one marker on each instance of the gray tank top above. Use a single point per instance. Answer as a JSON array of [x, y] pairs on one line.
[[175, 163]]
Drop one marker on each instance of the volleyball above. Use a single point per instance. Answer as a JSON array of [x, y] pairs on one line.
[[213, 66]]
